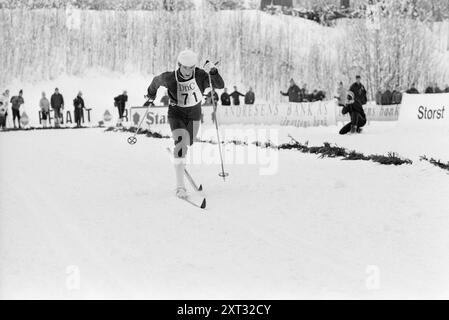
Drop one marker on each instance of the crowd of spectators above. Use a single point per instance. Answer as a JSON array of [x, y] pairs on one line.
[[327, 14], [297, 94], [55, 104], [389, 97]]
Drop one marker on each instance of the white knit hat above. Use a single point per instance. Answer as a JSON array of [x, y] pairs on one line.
[[188, 58]]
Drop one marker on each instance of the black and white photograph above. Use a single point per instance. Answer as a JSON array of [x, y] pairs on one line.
[[224, 150]]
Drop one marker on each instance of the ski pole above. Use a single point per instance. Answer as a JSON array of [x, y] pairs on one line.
[[133, 139], [222, 174]]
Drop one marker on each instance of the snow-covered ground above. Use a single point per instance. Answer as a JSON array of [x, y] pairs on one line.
[[83, 214]]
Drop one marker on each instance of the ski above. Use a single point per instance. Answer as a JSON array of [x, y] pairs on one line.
[[193, 203]]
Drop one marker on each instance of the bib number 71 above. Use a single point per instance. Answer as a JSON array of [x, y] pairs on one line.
[[186, 96]]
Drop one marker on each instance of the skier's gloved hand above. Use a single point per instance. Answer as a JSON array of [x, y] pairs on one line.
[[211, 68]]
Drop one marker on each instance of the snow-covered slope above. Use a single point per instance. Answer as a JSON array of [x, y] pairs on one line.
[[85, 203]]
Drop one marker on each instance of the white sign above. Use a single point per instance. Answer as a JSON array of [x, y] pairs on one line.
[[308, 114], [425, 109]]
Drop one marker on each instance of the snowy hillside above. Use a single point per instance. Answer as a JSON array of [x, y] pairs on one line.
[[85, 215]]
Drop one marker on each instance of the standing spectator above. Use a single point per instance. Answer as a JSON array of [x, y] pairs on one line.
[[359, 91], [249, 96], [225, 98], [78, 103], [412, 90], [293, 92], [386, 97], [16, 102], [429, 89], [209, 97], [120, 103], [357, 114], [44, 104], [304, 94], [314, 96], [396, 96], [379, 97], [236, 96], [3, 114], [320, 95], [341, 94], [165, 100], [57, 104], [4, 98]]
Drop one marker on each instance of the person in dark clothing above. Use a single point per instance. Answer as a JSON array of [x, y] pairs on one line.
[[396, 96], [78, 103], [186, 86], [304, 94], [321, 95], [437, 89], [236, 96], [225, 98], [359, 91], [250, 97], [293, 92], [447, 89], [386, 97], [120, 103], [429, 89], [57, 104], [16, 102], [357, 114], [3, 115], [209, 98], [412, 90]]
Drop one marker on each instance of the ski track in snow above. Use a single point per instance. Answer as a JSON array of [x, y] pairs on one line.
[[86, 198]]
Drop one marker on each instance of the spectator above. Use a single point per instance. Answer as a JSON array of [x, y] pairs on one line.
[[165, 100], [447, 89], [4, 98], [236, 96], [225, 98], [78, 103], [379, 97], [16, 102], [320, 95], [44, 104], [396, 96], [209, 97], [359, 91], [314, 96], [341, 94], [429, 89], [357, 114], [304, 94], [3, 114], [120, 103], [249, 96], [386, 97], [293, 92], [436, 89], [412, 90], [57, 104]]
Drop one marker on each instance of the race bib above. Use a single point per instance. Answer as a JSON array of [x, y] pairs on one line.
[[188, 94]]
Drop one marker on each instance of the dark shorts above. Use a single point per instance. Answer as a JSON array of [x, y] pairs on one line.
[[44, 115], [15, 114], [184, 124]]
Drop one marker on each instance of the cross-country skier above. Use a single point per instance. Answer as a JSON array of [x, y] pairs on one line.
[[185, 87]]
